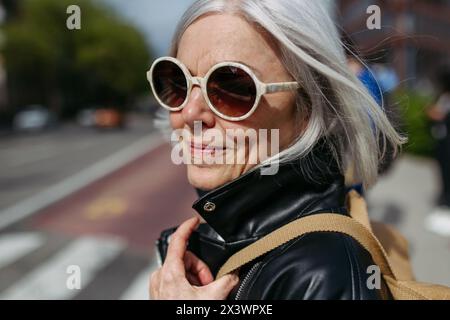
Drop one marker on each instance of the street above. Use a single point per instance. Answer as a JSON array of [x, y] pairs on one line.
[[404, 198], [107, 226], [98, 201]]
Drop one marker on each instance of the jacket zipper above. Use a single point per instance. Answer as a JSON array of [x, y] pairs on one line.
[[246, 280]]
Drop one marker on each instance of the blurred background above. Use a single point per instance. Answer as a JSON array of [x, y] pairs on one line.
[[86, 179]]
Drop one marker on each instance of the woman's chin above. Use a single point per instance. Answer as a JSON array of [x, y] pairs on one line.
[[208, 177]]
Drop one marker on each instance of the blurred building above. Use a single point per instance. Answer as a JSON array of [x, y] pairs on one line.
[[414, 34]]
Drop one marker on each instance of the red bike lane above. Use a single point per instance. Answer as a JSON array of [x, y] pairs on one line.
[[135, 203]]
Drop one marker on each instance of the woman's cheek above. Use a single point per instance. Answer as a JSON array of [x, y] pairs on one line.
[[176, 120]]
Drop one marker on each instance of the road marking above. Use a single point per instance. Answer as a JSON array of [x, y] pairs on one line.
[[78, 181], [15, 246], [106, 208], [48, 280], [138, 290]]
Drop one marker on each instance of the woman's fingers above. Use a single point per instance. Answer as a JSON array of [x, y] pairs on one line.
[[177, 246], [184, 275], [193, 280], [154, 284], [198, 268], [221, 288]]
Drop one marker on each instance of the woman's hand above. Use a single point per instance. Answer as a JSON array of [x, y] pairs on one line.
[[183, 276]]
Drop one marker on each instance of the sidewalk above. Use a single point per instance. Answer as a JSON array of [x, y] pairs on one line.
[[404, 197]]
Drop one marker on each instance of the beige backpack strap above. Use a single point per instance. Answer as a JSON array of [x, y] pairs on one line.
[[324, 222], [357, 207]]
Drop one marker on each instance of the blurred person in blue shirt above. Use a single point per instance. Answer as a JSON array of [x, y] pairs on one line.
[[366, 76]]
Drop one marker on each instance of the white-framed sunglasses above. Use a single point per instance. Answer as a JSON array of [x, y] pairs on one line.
[[231, 89]]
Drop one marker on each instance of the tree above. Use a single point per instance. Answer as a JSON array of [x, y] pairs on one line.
[[103, 63]]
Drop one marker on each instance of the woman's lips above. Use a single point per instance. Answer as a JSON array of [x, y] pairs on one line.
[[205, 149]]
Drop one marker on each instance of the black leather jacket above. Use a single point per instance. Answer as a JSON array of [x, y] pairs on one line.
[[315, 266]]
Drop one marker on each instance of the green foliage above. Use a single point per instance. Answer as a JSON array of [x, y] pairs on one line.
[[103, 63], [416, 124]]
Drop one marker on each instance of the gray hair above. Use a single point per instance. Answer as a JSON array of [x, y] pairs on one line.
[[335, 103]]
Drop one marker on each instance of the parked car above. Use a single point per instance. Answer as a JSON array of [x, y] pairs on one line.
[[33, 118], [86, 118], [109, 118]]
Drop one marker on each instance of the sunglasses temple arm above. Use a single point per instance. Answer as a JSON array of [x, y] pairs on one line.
[[283, 86]]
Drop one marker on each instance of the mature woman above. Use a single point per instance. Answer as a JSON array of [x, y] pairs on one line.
[[267, 64]]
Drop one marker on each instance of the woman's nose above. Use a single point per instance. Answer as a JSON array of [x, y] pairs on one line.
[[197, 109]]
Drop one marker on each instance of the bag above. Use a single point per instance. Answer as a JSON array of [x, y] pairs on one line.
[[388, 248]]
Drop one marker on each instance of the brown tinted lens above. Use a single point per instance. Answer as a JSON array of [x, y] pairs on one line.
[[231, 91], [170, 83]]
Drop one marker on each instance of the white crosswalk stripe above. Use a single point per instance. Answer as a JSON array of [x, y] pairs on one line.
[[48, 280], [138, 290], [14, 246]]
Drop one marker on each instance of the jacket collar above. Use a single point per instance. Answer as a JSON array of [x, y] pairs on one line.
[[253, 205]]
